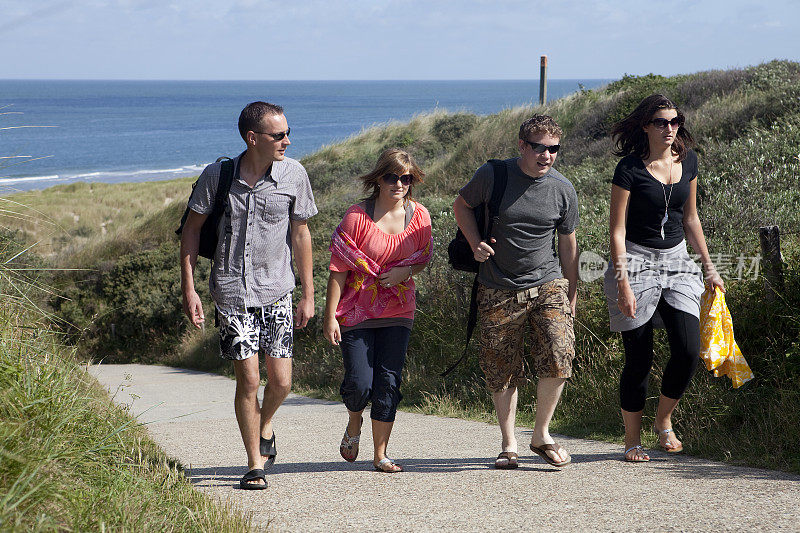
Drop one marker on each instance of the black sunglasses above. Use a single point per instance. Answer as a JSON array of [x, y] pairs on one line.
[[540, 148], [276, 136], [661, 123], [391, 179]]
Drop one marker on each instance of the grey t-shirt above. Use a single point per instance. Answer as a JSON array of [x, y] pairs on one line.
[[252, 266], [532, 210]]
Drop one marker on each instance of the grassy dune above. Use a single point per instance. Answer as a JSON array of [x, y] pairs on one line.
[[747, 123], [70, 460]]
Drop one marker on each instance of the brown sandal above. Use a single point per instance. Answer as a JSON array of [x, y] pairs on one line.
[[507, 461], [542, 450]]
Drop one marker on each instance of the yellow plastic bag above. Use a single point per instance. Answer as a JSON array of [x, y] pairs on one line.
[[717, 346]]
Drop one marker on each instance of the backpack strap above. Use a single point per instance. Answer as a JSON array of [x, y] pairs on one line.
[[369, 208], [221, 203], [220, 197], [500, 172], [224, 185], [471, 322], [409, 214]]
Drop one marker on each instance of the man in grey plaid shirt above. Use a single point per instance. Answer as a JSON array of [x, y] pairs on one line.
[[251, 280]]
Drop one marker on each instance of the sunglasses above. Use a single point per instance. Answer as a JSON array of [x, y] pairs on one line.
[[391, 179], [276, 136], [661, 123], [541, 148]]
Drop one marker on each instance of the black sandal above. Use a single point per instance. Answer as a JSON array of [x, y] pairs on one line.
[[254, 474], [268, 450]]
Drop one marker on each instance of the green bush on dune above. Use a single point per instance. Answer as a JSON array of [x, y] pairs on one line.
[[747, 124]]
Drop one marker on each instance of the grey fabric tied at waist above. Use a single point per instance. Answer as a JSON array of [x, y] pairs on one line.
[[653, 272]]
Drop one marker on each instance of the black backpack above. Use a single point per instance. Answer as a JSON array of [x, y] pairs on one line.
[[208, 233], [460, 254]]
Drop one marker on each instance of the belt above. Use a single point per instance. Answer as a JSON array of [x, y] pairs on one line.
[[527, 295]]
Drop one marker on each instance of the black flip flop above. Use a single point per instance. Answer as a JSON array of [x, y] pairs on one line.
[[254, 474], [268, 450]]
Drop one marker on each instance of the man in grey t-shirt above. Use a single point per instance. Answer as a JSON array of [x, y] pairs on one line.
[[252, 280], [524, 279]]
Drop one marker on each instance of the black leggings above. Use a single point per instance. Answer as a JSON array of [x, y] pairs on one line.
[[683, 333]]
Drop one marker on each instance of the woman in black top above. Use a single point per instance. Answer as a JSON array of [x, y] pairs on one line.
[[652, 281]]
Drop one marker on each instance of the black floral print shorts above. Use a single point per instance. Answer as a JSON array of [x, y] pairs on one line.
[[268, 329]]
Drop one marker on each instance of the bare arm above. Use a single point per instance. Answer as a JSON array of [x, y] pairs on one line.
[[694, 234], [465, 218], [399, 274], [568, 256], [618, 217], [190, 244], [301, 247], [330, 327]]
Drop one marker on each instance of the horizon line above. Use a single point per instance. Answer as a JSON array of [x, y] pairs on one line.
[[306, 80]]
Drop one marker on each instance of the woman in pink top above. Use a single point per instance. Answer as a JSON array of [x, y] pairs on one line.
[[379, 245]]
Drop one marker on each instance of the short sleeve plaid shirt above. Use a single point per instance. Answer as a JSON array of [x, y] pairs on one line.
[[252, 266]]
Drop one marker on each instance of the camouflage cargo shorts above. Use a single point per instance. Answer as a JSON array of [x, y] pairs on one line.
[[503, 317]]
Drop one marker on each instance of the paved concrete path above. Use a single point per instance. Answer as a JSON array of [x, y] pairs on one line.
[[449, 484]]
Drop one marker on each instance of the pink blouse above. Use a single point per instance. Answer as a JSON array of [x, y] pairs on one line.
[[384, 248]]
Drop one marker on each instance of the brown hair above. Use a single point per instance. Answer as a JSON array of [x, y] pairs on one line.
[[630, 138], [540, 124], [251, 115], [391, 161]]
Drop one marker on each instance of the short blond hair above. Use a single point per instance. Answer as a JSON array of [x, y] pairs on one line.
[[540, 124]]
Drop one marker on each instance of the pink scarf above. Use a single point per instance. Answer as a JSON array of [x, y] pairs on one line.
[[364, 297]]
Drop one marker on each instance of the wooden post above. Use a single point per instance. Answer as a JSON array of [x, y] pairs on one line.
[[770, 238], [543, 81]]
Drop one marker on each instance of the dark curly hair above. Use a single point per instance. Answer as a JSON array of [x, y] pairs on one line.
[[630, 138]]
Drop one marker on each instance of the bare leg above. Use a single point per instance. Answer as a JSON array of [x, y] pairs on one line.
[[247, 410], [666, 406], [548, 392], [380, 439], [633, 435], [505, 403], [354, 424], [279, 383]]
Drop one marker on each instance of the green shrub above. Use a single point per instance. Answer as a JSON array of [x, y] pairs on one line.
[[130, 311], [633, 89], [450, 129]]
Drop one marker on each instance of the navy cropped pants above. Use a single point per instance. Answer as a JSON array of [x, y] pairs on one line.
[[373, 366]]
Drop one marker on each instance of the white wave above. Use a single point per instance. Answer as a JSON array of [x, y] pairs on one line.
[[87, 175], [4, 181], [109, 176], [157, 171]]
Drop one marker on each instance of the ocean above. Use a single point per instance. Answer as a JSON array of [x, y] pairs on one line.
[[55, 132]]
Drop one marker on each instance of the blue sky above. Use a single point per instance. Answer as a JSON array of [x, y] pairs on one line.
[[388, 39]]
